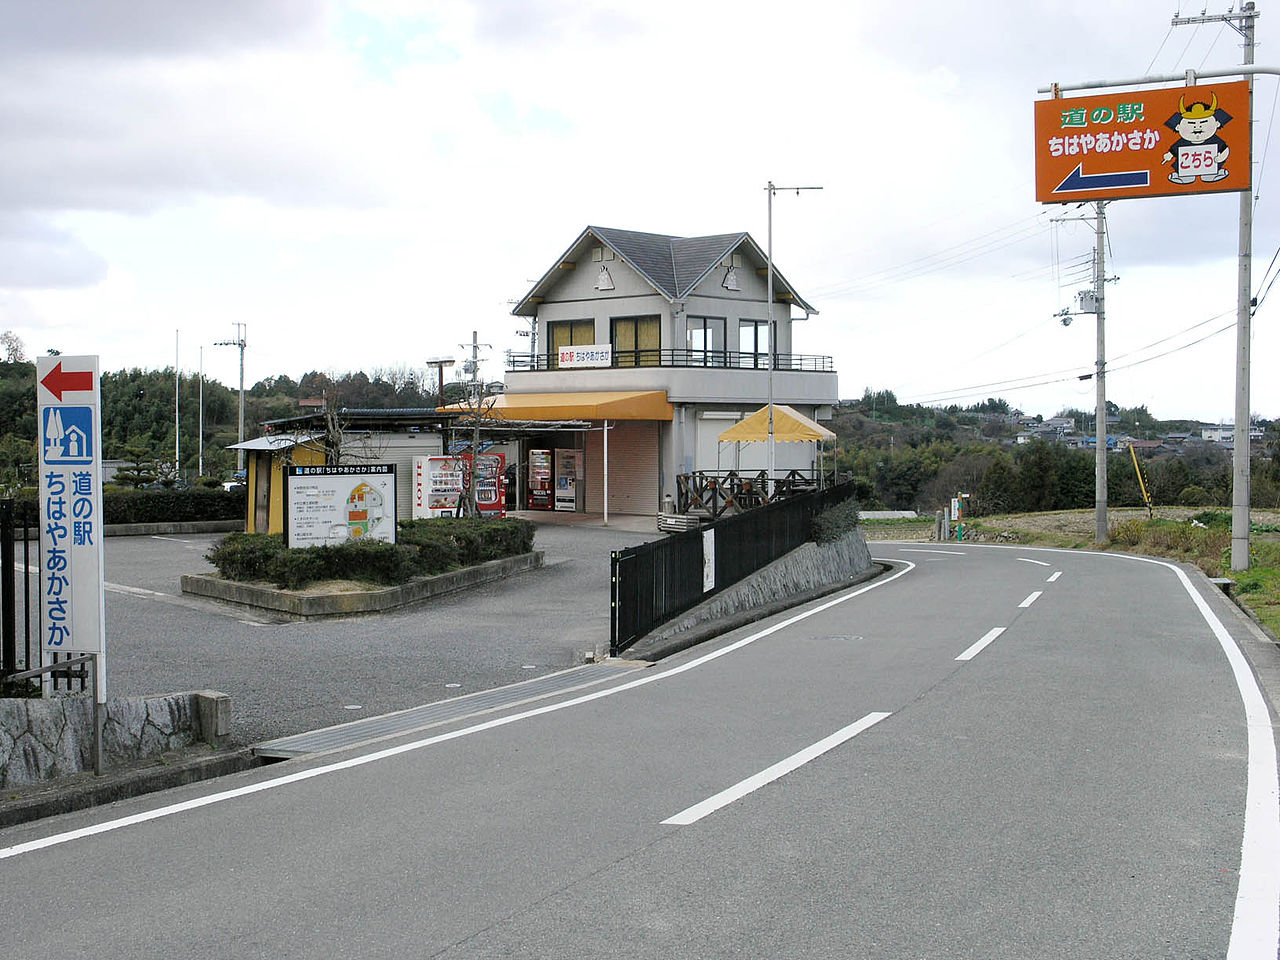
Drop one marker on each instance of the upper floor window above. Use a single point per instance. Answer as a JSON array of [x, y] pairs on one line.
[[753, 343], [568, 333], [706, 340], [637, 341]]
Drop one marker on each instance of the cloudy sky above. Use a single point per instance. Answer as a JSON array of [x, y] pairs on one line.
[[362, 183]]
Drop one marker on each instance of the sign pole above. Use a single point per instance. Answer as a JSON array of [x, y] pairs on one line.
[[1244, 308], [1100, 422]]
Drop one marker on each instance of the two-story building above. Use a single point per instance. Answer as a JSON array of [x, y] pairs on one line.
[[659, 344]]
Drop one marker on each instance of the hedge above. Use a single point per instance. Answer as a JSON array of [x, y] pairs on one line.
[[152, 506], [426, 547]]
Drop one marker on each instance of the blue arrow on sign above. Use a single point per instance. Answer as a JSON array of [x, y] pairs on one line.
[[1077, 181]]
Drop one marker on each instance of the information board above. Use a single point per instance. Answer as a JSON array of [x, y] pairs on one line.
[[331, 505]]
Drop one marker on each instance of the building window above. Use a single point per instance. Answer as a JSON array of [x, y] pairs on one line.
[[637, 341], [753, 343], [567, 333], [706, 341]]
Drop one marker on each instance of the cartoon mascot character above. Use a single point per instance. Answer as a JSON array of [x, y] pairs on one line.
[[1198, 151]]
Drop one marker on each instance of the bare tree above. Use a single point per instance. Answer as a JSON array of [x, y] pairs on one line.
[[15, 351]]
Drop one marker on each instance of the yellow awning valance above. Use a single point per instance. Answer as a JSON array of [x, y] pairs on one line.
[[789, 426], [624, 405]]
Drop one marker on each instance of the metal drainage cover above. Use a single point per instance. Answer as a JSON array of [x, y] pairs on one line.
[[444, 711]]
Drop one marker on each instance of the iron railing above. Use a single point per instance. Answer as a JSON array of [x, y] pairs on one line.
[[710, 494], [20, 650], [726, 359], [655, 582]]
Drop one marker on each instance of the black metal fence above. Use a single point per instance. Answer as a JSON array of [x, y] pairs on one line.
[[20, 603], [657, 581]]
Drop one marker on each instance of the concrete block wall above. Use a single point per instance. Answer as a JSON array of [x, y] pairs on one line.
[[41, 739]]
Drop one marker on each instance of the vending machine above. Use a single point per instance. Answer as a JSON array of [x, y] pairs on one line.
[[540, 480], [570, 483], [491, 492]]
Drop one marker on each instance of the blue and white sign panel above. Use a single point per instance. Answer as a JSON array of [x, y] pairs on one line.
[[72, 615]]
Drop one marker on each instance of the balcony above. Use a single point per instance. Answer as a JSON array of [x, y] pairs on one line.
[[696, 359]]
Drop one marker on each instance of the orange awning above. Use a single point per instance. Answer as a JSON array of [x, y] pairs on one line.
[[625, 405], [789, 426]]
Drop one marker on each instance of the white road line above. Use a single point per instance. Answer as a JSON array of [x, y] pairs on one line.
[[1053, 578], [1039, 563], [361, 760], [1032, 598], [978, 647], [945, 553], [780, 769], [156, 536]]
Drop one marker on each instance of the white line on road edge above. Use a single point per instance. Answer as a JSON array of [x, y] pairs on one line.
[[1054, 577], [210, 799], [1031, 598], [1038, 563], [780, 769], [1255, 925], [945, 553], [977, 648]]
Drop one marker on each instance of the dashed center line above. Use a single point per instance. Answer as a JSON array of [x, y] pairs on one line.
[[1039, 563], [978, 647], [1054, 577], [1032, 598]]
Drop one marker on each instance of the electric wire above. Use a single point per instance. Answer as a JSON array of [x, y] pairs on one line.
[[1266, 147], [1161, 47]]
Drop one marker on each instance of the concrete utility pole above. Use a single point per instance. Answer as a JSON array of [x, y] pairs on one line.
[[769, 256], [476, 393], [238, 342], [1242, 22]]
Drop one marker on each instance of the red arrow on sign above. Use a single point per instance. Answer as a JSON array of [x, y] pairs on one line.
[[57, 381]]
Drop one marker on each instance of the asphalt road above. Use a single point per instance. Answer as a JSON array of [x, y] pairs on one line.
[[286, 677], [999, 753]]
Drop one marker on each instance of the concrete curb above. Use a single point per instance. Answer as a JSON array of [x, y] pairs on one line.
[[82, 790], [303, 605], [654, 647]]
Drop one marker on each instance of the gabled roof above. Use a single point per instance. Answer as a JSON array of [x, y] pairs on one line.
[[673, 266]]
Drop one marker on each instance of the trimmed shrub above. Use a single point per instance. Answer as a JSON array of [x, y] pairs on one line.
[[1195, 496], [834, 522], [426, 547], [121, 505], [247, 556]]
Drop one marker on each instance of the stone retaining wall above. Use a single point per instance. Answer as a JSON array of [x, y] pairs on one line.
[[43, 738]]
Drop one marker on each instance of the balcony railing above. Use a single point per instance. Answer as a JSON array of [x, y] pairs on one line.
[[721, 359]]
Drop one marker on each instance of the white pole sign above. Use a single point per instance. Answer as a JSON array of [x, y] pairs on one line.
[[71, 522]]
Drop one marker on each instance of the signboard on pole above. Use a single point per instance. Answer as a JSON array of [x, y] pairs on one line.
[[330, 505], [1146, 143], [69, 418]]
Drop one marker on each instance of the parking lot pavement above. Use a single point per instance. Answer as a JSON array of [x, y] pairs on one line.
[[287, 677]]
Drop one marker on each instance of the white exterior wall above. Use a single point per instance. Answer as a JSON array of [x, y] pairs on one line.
[[398, 448]]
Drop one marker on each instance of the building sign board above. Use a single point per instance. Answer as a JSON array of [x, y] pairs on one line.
[[69, 420], [593, 355], [330, 505], [1145, 143]]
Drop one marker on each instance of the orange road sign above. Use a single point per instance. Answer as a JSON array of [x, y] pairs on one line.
[[1147, 143]]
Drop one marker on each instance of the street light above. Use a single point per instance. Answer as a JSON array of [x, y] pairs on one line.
[[772, 189], [238, 342]]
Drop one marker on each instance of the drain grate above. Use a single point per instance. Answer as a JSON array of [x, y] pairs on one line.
[[445, 711]]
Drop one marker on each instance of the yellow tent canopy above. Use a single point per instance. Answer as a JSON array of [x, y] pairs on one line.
[[789, 426]]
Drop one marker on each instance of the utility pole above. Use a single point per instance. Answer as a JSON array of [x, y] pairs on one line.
[[238, 342], [1242, 21], [177, 420], [476, 393], [771, 189], [200, 444]]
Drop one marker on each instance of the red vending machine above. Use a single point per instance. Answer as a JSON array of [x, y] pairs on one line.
[[540, 493], [491, 492]]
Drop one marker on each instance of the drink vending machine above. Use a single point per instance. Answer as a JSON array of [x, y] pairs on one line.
[[540, 480]]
